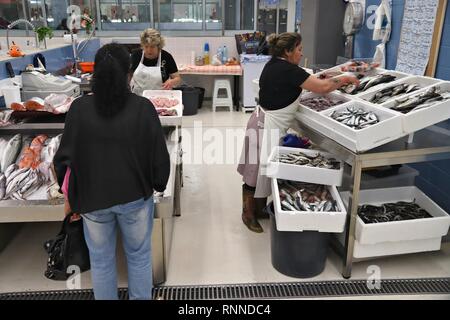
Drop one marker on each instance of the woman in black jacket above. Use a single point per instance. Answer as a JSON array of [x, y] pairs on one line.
[[115, 147]]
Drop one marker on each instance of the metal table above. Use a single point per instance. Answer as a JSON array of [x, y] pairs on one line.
[[427, 145]]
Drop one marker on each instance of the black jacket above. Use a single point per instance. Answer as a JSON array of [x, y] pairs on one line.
[[113, 160]]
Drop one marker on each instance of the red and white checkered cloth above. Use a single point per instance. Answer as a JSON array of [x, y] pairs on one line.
[[212, 70]]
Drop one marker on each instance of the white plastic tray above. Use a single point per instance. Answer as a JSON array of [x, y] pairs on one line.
[[295, 172], [333, 96], [417, 120], [399, 236], [332, 222], [170, 94], [421, 81], [389, 128], [399, 75]]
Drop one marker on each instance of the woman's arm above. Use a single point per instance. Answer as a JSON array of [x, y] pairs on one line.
[[317, 85], [173, 81]]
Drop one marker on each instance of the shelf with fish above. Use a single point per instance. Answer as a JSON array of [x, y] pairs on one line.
[[26, 178], [422, 108], [398, 89], [313, 166], [307, 207], [311, 103], [357, 125], [371, 82], [28, 189], [405, 235]]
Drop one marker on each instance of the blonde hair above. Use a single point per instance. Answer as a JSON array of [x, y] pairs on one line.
[[279, 43], [152, 37]]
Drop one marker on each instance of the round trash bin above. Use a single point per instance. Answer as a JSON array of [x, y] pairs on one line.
[[297, 254], [191, 97], [201, 97]]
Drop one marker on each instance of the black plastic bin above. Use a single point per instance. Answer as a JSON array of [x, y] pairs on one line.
[[201, 97], [297, 254], [191, 98]]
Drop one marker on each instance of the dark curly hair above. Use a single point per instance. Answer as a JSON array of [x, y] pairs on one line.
[[110, 79]]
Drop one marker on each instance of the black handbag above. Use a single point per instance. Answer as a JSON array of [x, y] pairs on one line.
[[67, 249]]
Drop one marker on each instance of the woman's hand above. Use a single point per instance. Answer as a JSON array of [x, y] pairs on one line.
[[168, 85], [172, 82], [350, 80]]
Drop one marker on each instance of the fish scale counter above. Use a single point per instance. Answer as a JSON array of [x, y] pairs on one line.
[[384, 121], [29, 191]]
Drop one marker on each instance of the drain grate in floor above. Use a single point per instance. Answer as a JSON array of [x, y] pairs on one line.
[[283, 290]]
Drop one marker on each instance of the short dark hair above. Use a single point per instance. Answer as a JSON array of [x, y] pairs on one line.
[[110, 79], [278, 44]]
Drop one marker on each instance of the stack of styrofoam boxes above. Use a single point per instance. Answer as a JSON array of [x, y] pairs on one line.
[[398, 237], [332, 222], [392, 125]]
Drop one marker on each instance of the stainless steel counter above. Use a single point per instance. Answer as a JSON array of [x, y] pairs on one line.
[[166, 207]]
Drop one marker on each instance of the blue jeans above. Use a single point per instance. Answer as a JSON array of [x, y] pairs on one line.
[[135, 220]]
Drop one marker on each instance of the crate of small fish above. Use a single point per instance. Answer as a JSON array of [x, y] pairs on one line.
[[423, 108], [168, 103], [372, 81], [360, 126], [311, 103], [396, 221], [301, 206], [398, 89], [305, 165]]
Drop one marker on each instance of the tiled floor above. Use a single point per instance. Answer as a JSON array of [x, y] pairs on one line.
[[210, 244]]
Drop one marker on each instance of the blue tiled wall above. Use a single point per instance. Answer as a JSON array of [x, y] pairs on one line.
[[364, 46], [443, 66], [434, 177], [55, 58]]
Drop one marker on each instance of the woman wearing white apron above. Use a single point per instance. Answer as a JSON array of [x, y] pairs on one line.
[[281, 84], [152, 67]]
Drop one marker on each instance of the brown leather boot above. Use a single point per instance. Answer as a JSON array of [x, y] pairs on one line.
[[249, 210], [261, 203]]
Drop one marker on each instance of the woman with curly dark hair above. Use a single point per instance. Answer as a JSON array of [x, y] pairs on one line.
[[114, 145]]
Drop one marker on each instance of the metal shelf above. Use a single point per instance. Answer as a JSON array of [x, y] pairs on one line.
[[426, 145]]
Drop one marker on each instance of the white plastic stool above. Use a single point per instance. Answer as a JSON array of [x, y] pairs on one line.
[[219, 101]]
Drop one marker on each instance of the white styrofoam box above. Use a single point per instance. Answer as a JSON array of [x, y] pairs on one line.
[[419, 119], [421, 81], [427, 228], [314, 123], [332, 222], [275, 169], [397, 74], [392, 248], [170, 94], [333, 96], [387, 129]]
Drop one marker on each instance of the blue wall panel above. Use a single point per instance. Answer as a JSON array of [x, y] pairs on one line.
[[443, 64], [56, 59], [434, 177], [364, 46]]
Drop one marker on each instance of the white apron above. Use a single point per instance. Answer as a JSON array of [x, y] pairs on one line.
[[276, 124], [146, 78]]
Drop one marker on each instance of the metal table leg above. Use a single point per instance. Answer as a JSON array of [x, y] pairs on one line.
[[236, 92], [352, 213]]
